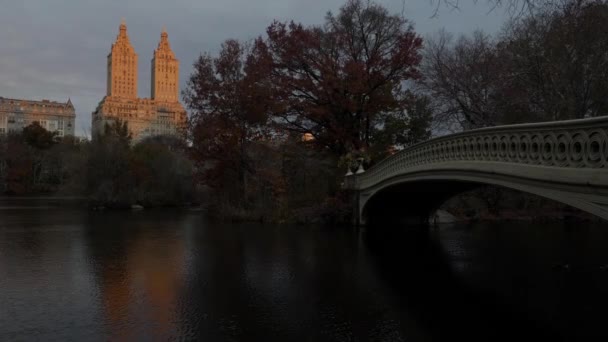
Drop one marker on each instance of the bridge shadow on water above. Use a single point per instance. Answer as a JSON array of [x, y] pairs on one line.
[[417, 268]]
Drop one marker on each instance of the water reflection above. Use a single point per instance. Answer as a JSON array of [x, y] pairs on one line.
[[139, 271], [72, 275], [46, 288]]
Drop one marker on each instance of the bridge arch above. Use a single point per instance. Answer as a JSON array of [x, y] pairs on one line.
[[415, 198], [564, 161]]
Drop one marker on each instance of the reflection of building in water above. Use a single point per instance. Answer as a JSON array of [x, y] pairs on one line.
[[53, 116], [116, 297], [139, 286], [156, 266], [160, 115]]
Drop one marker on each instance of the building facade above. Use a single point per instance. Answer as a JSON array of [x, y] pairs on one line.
[[162, 114], [58, 117]]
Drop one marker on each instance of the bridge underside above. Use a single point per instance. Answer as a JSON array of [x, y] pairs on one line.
[[410, 203], [412, 198]]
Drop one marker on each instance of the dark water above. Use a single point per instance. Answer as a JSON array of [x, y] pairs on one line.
[[73, 275]]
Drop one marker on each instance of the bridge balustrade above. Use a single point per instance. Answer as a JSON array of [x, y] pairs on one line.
[[580, 144]]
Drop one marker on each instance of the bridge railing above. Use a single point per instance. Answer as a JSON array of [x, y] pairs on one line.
[[561, 144]]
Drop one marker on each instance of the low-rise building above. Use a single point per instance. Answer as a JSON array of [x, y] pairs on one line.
[[58, 117]]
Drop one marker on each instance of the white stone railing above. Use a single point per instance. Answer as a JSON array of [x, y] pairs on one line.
[[563, 144]]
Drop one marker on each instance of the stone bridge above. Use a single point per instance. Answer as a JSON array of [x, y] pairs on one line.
[[566, 161]]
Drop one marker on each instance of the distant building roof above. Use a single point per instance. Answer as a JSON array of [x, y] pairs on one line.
[[35, 102], [33, 105]]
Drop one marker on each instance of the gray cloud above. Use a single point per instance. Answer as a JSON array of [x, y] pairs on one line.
[[57, 49]]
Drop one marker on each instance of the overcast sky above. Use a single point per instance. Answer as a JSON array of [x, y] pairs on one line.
[[55, 49]]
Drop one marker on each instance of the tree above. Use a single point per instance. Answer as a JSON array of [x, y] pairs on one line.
[[38, 137], [514, 7], [227, 99], [117, 130], [403, 129], [550, 65], [18, 161], [36, 161], [109, 176], [558, 59], [162, 171], [463, 78], [66, 161], [334, 81]]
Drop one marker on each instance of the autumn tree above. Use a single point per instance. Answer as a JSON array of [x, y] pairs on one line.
[[227, 99], [335, 80]]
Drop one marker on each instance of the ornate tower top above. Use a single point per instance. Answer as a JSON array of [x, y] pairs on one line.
[[122, 31], [122, 66], [122, 39], [165, 71], [164, 48]]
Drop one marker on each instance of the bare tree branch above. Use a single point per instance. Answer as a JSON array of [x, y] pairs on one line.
[[515, 8]]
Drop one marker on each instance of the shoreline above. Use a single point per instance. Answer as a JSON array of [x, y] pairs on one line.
[[83, 203]]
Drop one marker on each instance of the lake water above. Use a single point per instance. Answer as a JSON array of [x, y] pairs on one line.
[[72, 275]]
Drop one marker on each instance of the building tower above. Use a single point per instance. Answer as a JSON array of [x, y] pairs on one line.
[[163, 114], [165, 71], [122, 67]]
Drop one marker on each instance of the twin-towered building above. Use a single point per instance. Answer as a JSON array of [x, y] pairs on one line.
[[162, 114]]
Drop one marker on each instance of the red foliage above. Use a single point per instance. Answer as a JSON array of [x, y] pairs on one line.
[[333, 80], [229, 112]]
